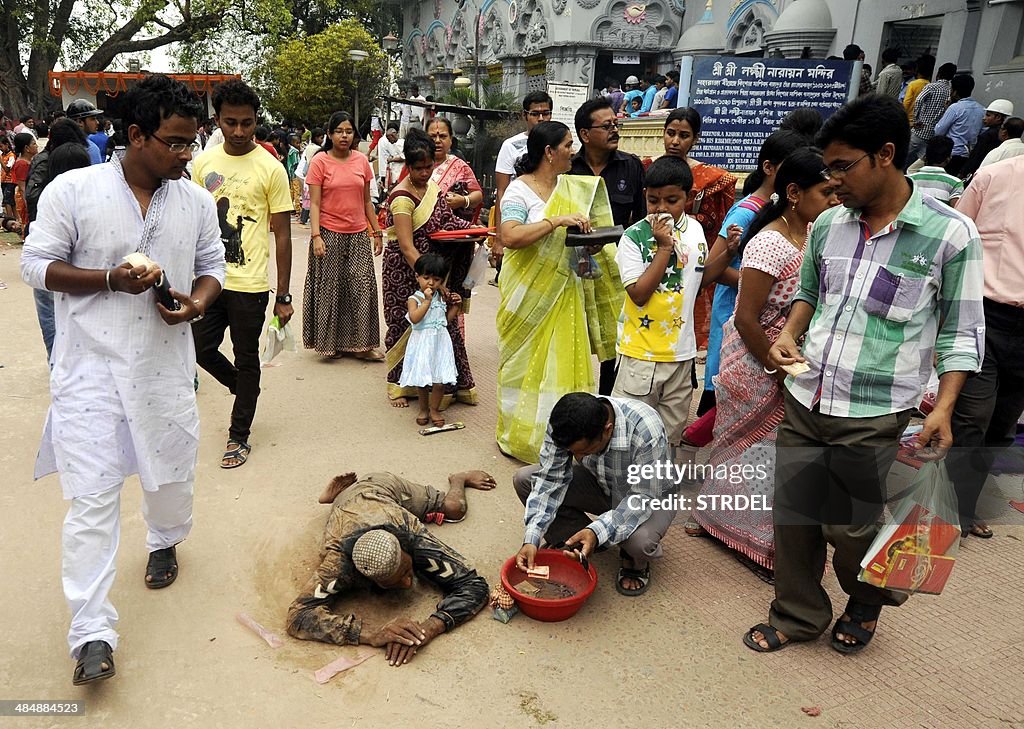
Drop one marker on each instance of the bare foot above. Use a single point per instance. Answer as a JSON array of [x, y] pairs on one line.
[[336, 486], [400, 402], [424, 415]]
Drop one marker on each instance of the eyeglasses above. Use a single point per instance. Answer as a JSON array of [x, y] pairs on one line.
[[539, 114], [177, 147], [607, 126], [830, 172]]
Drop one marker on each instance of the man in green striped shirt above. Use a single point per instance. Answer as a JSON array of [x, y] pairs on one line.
[[891, 281], [932, 179]]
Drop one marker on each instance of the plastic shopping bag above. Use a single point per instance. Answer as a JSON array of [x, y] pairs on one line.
[[583, 264], [276, 338], [917, 550], [477, 269]]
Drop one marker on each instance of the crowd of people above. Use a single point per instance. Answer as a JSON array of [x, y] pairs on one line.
[[830, 257]]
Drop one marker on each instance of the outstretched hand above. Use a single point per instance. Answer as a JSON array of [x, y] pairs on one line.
[[479, 480]]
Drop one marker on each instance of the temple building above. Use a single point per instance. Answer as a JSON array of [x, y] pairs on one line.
[[526, 44]]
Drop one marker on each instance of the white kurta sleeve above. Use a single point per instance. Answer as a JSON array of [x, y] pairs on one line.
[[51, 236], [209, 248]]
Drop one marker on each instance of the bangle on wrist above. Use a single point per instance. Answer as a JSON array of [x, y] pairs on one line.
[[768, 371], [109, 287]]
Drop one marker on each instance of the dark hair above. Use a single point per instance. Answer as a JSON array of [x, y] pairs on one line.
[[802, 168], [577, 416], [963, 85], [852, 52], [805, 120], [652, 78], [868, 123], [431, 264], [666, 171], [65, 130], [42, 130], [585, 114], [687, 114], [418, 147], [156, 98], [235, 93], [262, 133], [946, 71], [66, 157], [22, 141], [1014, 127], [391, 125], [544, 135], [776, 147], [938, 150], [673, 74], [926, 66], [337, 119], [316, 132], [537, 97], [891, 55]]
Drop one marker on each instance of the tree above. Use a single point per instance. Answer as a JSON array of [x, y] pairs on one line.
[[309, 78], [89, 35]]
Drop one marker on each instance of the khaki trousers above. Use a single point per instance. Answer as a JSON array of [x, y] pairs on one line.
[[665, 386]]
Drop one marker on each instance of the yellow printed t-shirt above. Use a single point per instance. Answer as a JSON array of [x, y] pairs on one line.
[[248, 189], [661, 330]]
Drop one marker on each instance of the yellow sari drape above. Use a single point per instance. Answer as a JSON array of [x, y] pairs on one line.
[[551, 322]]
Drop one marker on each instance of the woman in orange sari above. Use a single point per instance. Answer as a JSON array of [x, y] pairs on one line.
[[713, 193]]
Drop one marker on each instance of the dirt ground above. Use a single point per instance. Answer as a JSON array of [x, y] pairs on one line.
[[670, 658]]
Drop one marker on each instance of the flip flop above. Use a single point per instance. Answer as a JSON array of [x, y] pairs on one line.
[[240, 453], [629, 573], [420, 420], [372, 355], [771, 637], [858, 614], [161, 563], [977, 530], [90, 663]]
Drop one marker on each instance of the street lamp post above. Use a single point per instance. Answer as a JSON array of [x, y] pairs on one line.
[[357, 56]]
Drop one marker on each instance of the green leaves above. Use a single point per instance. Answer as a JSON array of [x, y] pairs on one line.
[[309, 78]]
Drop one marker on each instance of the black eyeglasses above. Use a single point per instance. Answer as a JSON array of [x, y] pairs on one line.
[[607, 126], [539, 114], [177, 147], [841, 171]]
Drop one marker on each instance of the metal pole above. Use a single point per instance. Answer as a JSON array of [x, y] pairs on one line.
[[476, 57]]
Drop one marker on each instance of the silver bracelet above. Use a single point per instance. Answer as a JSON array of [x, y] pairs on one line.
[[108, 282], [768, 371]]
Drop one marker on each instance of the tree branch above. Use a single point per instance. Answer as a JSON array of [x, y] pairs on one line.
[[123, 40]]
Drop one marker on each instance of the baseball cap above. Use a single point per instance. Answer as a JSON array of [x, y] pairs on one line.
[[1001, 106]]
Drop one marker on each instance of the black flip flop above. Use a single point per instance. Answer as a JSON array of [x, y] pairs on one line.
[[858, 613], [771, 637], [90, 661], [629, 573], [161, 562]]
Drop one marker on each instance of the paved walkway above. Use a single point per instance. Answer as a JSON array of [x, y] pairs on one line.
[[671, 658]]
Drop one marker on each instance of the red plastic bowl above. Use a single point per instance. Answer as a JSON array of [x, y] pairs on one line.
[[567, 571]]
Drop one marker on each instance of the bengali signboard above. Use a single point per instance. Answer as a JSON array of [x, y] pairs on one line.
[[742, 100]]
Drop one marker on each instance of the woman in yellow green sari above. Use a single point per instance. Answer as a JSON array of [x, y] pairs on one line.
[[551, 321]]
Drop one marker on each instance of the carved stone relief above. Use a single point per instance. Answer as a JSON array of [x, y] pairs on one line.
[[588, 4], [656, 30], [531, 32], [493, 41], [559, 6]]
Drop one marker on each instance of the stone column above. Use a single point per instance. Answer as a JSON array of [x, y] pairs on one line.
[[572, 64]]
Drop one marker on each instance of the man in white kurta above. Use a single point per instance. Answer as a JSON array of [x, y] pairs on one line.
[[122, 381]]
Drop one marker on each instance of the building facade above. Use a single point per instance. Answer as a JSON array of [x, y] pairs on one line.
[[526, 44]]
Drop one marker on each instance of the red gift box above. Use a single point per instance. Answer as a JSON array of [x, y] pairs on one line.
[[911, 553]]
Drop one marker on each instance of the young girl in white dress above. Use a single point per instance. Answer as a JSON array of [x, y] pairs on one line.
[[429, 358]]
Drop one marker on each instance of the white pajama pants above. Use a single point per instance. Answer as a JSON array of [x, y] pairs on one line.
[[92, 532]]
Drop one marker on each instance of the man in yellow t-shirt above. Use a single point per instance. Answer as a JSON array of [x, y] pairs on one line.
[[925, 68], [252, 194]]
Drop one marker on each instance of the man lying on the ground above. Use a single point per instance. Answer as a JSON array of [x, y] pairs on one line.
[[375, 536]]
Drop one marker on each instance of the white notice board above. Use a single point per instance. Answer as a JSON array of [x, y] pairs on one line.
[[567, 99]]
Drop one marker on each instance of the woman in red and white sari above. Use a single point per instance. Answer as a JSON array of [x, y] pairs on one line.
[[453, 175], [750, 405]]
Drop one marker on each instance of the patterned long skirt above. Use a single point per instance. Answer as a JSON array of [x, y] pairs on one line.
[[340, 297]]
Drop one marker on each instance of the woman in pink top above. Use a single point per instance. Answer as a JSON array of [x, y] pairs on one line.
[[340, 299]]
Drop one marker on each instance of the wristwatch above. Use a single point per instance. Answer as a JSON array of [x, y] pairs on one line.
[[284, 299]]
